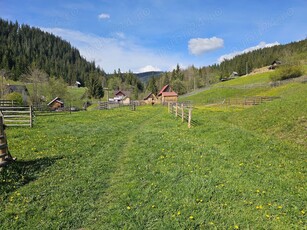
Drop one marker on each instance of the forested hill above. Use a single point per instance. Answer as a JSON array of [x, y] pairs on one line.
[[23, 47], [291, 53]]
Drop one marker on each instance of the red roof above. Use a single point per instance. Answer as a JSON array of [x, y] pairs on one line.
[[169, 94], [163, 89]]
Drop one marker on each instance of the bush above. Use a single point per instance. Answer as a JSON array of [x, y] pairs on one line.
[[287, 72], [14, 97]]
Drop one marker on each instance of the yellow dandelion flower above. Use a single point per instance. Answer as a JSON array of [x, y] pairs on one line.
[[279, 207], [236, 227], [128, 207], [303, 212], [191, 217], [178, 213]]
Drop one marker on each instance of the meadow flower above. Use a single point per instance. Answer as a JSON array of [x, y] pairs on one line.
[[259, 207]]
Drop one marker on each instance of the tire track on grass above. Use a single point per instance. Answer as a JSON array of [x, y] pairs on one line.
[[111, 196]]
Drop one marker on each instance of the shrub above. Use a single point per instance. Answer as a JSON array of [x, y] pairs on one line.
[[287, 72], [14, 97]]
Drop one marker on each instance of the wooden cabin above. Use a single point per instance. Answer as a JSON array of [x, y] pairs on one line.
[[166, 95], [56, 104], [150, 99]]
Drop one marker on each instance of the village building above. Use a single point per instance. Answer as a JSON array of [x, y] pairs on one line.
[[56, 104], [150, 99], [166, 95], [274, 64], [122, 97]]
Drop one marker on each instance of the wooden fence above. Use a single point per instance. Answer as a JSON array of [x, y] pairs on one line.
[[243, 101], [113, 105], [7, 103], [17, 116], [5, 156], [182, 110]]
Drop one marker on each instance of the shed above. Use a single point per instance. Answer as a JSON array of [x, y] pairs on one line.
[[150, 99], [169, 97], [275, 64], [56, 103], [166, 94]]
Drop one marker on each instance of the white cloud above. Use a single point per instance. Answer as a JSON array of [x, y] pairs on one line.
[[103, 16], [148, 68], [261, 45], [111, 53], [198, 46]]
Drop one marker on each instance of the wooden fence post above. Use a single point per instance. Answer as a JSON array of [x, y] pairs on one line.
[[176, 109], [5, 156], [31, 116], [190, 118], [182, 112]]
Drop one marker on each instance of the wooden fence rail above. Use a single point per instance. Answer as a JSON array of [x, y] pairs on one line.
[[17, 116], [7, 103], [182, 110], [113, 105], [243, 101]]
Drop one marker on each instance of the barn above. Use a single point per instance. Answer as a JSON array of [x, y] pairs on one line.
[[166, 95]]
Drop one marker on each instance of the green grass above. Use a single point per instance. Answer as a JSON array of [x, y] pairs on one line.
[[239, 168], [144, 169]]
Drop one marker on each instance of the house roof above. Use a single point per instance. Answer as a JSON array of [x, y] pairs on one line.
[[163, 89], [148, 96], [125, 93], [169, 94], [57, 99]]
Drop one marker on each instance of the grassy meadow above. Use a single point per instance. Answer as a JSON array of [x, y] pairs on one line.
[[238, 168]]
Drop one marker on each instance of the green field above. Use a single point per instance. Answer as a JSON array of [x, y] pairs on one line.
[[238, 168]]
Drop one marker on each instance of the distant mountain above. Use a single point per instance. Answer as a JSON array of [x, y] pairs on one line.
[[145, 76]]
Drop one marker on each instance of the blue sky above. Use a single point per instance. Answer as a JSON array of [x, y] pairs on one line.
[[157, 34]]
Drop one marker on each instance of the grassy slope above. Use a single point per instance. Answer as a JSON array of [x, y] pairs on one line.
[[145, 170]]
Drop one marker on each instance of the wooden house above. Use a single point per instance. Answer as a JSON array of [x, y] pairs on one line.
[[121, 96], [150, 99], [275, 64], [166, 95], [56, 104]]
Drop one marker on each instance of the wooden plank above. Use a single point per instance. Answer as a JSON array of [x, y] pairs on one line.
[[17, 112], [17, 125], [16, 116]]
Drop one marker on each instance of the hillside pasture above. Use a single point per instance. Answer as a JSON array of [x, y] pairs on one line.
[[144, 169]]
